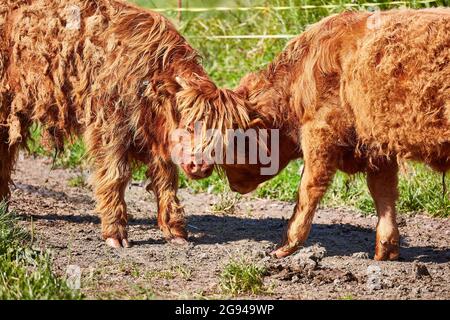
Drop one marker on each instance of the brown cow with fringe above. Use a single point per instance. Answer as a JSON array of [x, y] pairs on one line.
[[357, 92], [106, 70]]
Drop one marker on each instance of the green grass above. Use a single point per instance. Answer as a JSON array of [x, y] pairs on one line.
[[421, 190], [77, 182], [73, 156], [227, 60], [25, 273], [226, 203], [239, 277]]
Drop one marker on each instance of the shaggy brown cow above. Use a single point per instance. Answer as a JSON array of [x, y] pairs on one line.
[[356, 92], [107, 70]]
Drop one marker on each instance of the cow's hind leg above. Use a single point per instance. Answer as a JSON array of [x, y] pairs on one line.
[[164, 183], [383, 185]]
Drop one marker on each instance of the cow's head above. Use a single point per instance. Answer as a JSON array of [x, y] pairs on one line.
[[266, 104], [204, 108], [245, 178]]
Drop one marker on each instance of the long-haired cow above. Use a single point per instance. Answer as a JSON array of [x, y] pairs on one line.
[[356, 92], [106, 70]]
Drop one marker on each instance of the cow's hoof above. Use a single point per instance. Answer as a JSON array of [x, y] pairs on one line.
[[283, 252], [178, 241], [116, 243], [126, 243], [387, 251]]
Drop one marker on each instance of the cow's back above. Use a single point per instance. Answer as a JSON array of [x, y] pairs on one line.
[[397, 84]]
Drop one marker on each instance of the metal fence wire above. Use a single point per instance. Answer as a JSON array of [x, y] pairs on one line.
[[369, 5]]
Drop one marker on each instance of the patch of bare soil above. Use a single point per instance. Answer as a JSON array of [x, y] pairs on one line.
[[336, 263]]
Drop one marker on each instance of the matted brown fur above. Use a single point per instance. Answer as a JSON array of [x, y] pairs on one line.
[[112, 80], [358, 92]]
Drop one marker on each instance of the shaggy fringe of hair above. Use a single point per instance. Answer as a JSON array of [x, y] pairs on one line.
[[221, 110]]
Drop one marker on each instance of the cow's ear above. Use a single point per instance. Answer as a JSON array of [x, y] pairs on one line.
[[182, 82]]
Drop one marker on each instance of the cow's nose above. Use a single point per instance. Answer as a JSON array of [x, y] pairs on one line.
[[197, 169]]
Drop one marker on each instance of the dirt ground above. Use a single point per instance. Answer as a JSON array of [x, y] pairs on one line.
[[336, 264]]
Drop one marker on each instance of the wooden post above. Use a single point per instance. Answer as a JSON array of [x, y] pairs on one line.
[[180, 5]]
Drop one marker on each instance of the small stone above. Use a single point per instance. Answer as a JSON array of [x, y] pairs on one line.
[[388, 284], [416, 291], [374, 276], [260, 253], [265, 260], [348, 277], [315, 252], [295, 279], [203, 256], [361, 255]]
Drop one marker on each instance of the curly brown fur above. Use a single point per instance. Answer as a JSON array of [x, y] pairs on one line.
[[112, 80], [358, 92]]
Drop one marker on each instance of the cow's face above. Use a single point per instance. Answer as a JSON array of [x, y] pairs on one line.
[[245, 178], [184, 144], [197, 171]]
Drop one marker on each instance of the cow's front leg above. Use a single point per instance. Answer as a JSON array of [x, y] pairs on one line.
[[164, 183], [383, 185], [110, 180], [111, 175], [320, 167]]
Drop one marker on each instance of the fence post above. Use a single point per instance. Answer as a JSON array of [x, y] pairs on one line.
[[180, 5]]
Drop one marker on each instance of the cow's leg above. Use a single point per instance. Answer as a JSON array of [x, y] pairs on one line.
[[320, 167], [111, 176], [8, 155], [383, 185], [164, 183], [110, 180]]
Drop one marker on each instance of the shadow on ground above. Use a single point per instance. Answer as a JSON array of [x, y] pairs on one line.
[[338, 239]]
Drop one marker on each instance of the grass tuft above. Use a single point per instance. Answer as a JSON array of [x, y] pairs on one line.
[[240, 277], [226, 203], [78, 182]]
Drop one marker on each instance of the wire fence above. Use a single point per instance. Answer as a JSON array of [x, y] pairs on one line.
[[303, 7], [180, 10]]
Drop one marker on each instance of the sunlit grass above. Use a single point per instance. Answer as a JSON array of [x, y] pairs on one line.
[[240, 277]]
